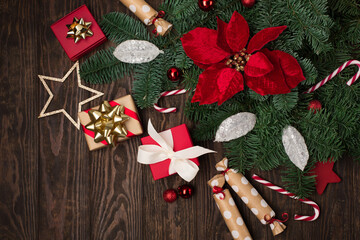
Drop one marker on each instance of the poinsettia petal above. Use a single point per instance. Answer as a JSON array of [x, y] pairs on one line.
[[266, 35], [229, 83], [197, 95], [221, 35], [258, 65], [200, 45], [198, 91], [237, 32], [206, 90], [203, 99], [291, 69], [202, 66], [271, 83]]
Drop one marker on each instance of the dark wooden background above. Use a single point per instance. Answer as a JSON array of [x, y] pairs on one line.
[[52, 187]]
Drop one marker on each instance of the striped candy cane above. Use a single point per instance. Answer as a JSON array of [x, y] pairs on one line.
[[165, 94], [291, 195], [336, 72]]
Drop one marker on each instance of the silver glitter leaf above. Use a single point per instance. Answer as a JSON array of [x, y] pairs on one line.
[[136, 51], [235, 126], [295, 147]]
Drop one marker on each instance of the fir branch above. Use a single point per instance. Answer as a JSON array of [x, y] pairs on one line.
[[353, 145], [197, 112], [167, 61], [353, 31], [308, 20], [119, 27], [343, 102], [285, 102], [176, 10], [301, 183], [309, 70], [190, 77], [321, 135], [265, 14], [182, 61], [104, 67], [225, 8], [237, 154], [206, 129], [183, 14], [147, 84], [257, 97], [346, 7], [264, 141], [264, 149]]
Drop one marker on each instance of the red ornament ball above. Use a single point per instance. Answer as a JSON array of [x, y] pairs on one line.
[[174, 74], [170, 195], [314, 105], [206, 5], [248, 3], [185, 191]]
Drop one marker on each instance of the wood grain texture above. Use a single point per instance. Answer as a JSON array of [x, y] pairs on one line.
[[19, 139], [54, 188]]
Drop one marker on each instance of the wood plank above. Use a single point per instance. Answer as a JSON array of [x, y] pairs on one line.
[[64, 158], [19, 139], [54, 188]]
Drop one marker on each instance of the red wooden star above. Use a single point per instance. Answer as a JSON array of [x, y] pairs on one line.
[[325, 175]]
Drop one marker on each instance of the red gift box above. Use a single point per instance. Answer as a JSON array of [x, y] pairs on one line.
[[72, 49], [182, 140]]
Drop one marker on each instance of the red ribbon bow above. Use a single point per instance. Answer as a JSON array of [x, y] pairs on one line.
[[219, 190], [226, 170], [285, 217], [160, 14]]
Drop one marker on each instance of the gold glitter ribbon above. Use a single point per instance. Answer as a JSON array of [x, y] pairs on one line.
[[108, 123], [79, 29]]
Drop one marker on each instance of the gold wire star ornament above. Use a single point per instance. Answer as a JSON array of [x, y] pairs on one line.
[[79, 29], [43, 78]]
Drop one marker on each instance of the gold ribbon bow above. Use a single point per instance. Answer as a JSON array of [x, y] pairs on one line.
[[79, 29], [108, 123]]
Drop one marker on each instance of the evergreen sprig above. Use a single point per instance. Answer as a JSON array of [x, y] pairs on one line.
[[305, 26], [285, 102], [206, 129], [257, 97], [321, 136], [349, 7], [237, 153], [147, 84], [104, 67], [119, 27], [190, 77], [302, 183], [182, 61]]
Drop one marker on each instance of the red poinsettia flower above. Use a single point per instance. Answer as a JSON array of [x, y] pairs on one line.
[[223, 55]]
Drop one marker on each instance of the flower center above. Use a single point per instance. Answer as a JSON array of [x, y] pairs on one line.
[[238, 60]]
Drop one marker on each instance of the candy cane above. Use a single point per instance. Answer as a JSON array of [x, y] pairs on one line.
[[168, 93], [336, 72], [291, 195]]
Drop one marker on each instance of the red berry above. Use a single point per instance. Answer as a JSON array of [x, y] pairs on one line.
[[314, 105]]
